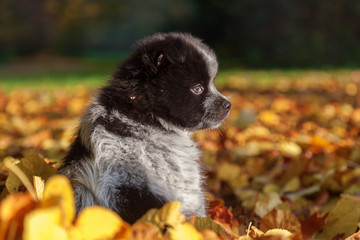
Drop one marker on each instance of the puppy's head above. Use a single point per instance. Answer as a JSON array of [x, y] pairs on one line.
[[174, 76]]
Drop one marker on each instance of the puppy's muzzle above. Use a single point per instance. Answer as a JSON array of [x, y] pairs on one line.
[[226, 105]]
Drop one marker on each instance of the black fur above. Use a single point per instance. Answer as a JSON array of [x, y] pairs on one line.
[[138, 201]]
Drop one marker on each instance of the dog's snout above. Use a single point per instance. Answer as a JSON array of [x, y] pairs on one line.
[[226, 105]]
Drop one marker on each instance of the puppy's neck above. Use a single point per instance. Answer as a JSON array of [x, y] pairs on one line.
[[171, 127]]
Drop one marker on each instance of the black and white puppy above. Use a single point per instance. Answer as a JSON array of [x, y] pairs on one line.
[[134, 148]]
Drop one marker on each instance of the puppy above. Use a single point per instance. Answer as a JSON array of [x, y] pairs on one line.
[[134, 150]]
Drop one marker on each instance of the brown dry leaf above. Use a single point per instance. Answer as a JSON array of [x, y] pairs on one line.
[[32, 165], [12, 212], [281, 219]]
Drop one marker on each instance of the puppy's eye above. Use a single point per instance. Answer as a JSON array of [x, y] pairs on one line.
[[197, 89]]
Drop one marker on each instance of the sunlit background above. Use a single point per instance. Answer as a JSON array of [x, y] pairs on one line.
[[248, 33]]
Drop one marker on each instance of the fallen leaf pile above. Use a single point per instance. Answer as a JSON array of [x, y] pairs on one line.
[[285, 165]]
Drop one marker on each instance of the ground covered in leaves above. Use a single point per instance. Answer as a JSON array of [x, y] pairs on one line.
[[287, 158]]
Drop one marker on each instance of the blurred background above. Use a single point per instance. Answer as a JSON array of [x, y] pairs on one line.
[[244, 33]]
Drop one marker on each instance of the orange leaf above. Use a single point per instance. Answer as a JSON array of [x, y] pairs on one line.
[[12, 212], [221, 214], [312, 224]]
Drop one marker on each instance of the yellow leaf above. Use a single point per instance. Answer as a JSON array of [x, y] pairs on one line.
[[233, 174], [292, 185], [44, 224], [39, 187], [58, 188], [168, 215], [278, 232], [269, 117], [185, 231], [99, 223], [289, 149]]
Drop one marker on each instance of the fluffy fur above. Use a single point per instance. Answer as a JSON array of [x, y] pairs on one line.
[[134, 150]]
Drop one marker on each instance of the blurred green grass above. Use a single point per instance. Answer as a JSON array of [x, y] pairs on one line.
[[52, 72]]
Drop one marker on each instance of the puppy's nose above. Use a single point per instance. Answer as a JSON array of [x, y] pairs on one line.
[[226, 105]]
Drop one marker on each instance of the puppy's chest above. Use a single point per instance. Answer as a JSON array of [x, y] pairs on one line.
[[174, 154], [173, 166]]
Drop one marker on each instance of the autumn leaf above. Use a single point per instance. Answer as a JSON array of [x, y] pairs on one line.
[[342, 219], [280, 219], [185, 231], [39, 185], [312, 224], [269, 117], [289, 149], [145, 231], [221, 214], [167, 215], [355, 236], [55, 212], [232, 174], [58, 190], [12, 212], [32, 165], [44, 223], [206, 223], [99, 223], [266, 203]]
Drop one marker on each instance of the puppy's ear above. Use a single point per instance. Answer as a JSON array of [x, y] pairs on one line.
[[160, 60], [174, 56]]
